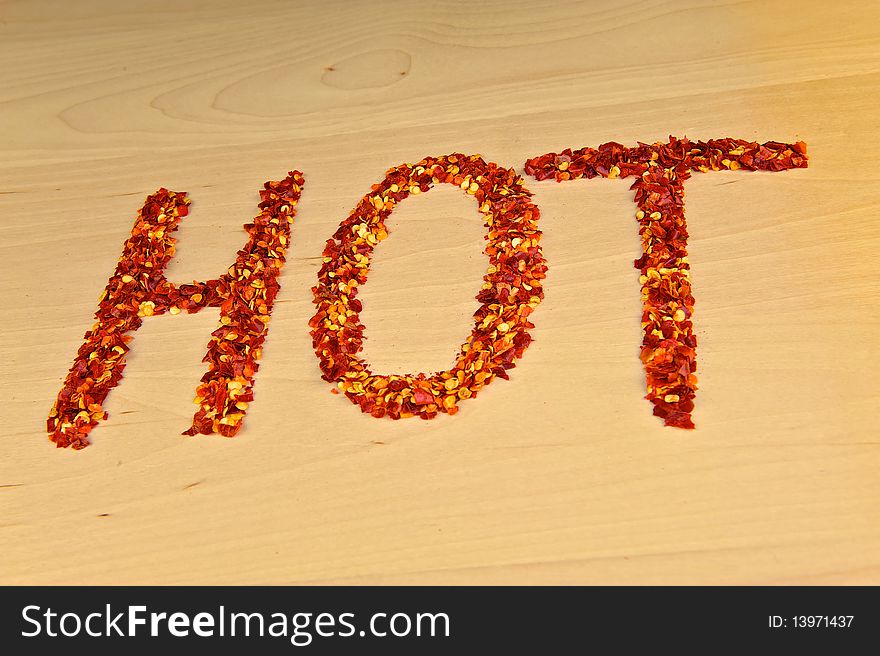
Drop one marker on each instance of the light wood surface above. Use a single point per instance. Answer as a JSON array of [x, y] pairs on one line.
[[560, 475]]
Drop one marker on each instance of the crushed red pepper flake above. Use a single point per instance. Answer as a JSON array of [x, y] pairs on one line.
[[511, 290], [138, 288], [669, 344]]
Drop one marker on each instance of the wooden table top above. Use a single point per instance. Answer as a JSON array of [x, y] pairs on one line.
[[559, 475]]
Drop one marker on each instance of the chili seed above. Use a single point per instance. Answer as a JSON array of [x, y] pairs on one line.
[[500, 334], [669, 344], [234, 347]]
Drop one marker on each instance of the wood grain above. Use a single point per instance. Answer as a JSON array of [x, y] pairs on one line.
[[560, 475]]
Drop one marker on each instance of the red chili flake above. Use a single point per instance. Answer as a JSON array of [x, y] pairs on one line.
[[669, 345], [512, 289], [138, 288]]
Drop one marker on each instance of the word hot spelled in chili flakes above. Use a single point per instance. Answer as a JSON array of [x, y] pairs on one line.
[[669, 345], [512, 288], [138, 288]]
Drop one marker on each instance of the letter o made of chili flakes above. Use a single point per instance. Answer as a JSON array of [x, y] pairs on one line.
[[512, 288]]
